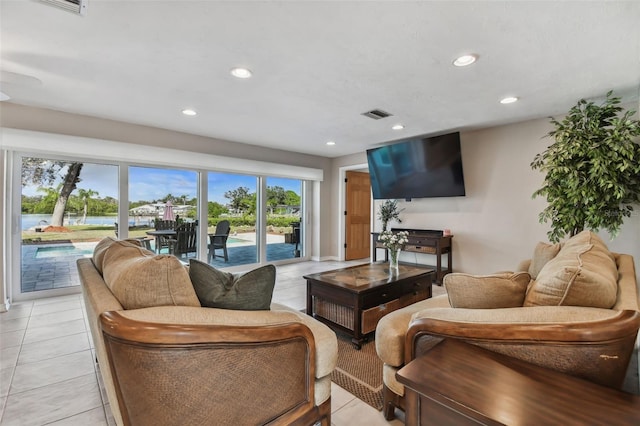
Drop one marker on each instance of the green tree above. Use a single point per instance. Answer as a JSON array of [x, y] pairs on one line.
[[292, 198], [85, 195], [240, 199], [47, 202], [43, 172], [215, 209], [592, 170], [276, 196]]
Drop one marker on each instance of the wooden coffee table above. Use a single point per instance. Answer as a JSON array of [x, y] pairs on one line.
[[353, 299]]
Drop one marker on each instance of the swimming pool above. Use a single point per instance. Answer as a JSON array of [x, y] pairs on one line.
[[63, 251]]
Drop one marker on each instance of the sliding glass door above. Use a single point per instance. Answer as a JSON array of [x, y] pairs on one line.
[[232, 217], [285, 227], [66, 208], [165, 200]]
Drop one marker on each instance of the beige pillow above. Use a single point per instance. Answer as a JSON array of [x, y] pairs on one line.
[[542, 254], [584, 273], [140, 279], [486, 291], [100, 250]]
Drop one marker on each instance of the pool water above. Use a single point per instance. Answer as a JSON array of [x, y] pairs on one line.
[[62, 251]]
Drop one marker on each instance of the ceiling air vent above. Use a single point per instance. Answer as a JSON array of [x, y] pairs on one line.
[[376, 114], [75, 6]]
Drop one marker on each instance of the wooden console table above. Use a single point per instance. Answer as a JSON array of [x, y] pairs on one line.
[[462, 384], [354, 299], [423, 241]]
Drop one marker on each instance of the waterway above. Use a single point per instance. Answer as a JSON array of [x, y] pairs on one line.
[[33, 220]]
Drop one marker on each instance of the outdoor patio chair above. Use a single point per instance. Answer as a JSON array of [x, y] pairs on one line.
[[185, 241], [164, 242], [146, 242], [218, 240]]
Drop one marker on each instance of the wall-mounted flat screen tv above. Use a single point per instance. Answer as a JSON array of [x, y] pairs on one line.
[[419, 167]]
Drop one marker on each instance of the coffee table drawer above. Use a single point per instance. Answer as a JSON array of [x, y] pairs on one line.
[[410, 299], [380, 296], [371, 316], [415, 286]]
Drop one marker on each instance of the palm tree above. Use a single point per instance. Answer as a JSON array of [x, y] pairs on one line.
[[85, 195]]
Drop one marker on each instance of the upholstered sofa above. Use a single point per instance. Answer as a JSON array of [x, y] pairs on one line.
[[166, 360], [573, 308]]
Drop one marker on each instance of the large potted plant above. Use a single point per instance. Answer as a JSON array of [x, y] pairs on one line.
[[389, 211], [592, 169]]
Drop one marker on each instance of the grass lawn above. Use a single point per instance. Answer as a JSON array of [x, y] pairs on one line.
[[78, 233]]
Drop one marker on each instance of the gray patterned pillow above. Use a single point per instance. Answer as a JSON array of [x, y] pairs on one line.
[[251, 291]]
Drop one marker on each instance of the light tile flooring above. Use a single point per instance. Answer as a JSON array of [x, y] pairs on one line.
[[48, 375]]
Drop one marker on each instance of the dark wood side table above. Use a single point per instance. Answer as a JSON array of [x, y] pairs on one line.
[[354, 299], [422, 241], [462, 384]]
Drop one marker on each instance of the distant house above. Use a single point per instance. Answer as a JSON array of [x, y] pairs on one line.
[[157, 210]]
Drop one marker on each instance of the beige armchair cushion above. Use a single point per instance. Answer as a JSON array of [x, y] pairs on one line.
[[325, 338], [140, 279], [584, 273], [486, 291], [392, 329], [542, 254]]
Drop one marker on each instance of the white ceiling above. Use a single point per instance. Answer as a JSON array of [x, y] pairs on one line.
[[318, 64]]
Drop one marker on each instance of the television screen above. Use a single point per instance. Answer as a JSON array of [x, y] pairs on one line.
[[420, 167]]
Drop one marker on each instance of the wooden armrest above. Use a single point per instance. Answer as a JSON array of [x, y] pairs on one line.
[[622, 323]]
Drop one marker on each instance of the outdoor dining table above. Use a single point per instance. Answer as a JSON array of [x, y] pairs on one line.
[[160, 233]]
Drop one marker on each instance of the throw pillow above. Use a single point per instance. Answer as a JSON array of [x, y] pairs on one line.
[[584, 273], [100, 250], [542, 254], [140, 279], [250, 291], [486, 291]]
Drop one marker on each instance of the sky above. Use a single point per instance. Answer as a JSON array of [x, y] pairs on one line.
[[147, 183]]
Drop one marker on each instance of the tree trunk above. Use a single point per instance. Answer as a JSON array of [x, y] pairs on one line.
[[85, 207], [70, 181]]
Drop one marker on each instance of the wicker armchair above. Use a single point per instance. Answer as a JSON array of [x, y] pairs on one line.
[[198, 374], [166, 360], [591, 343]]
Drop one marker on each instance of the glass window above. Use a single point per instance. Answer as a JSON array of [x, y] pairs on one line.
[[66, 208], [163, 210], [232, 220], [284, 213]]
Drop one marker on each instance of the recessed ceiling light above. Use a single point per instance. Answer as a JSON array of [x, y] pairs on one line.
[[189, 112], [331, 143], [397, 127], [465, 60], [509, 100], [241, 72]]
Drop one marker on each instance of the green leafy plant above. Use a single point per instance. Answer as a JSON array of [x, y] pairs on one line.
[[389, 211], [592, 169]]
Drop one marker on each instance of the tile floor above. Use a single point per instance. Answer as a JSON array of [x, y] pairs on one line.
[[48, 375]]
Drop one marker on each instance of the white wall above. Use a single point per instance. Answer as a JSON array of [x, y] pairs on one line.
[[2, 236], [496, 224]]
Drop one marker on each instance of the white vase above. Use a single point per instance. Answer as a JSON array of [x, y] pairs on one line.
[[394, 254]]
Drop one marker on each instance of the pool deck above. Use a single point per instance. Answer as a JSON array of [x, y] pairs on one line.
[[48, 273]]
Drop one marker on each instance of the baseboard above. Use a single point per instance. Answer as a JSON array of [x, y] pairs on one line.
[[324, 258], [5, 306]]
